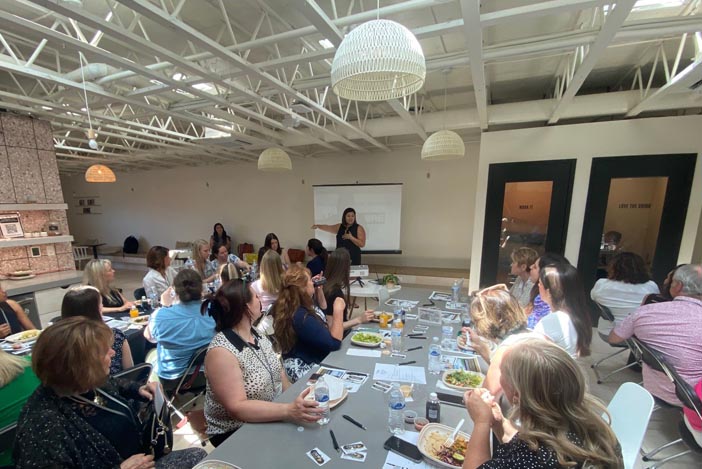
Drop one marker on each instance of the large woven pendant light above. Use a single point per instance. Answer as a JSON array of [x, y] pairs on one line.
[[444, 144], [378, 61], [274, 159], [99, 173]]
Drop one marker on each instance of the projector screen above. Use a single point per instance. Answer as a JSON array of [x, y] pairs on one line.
[[378, 208]]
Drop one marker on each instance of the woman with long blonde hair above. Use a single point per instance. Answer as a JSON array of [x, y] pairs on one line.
[[268, 286], [559, 423], [301, 328], [201, 260], [99, 273]]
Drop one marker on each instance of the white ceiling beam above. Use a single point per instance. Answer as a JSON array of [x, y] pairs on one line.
[[552, 7], [473, 34], [614, 20], [319, 19], [156, 14], [679, 83], [399, 108]]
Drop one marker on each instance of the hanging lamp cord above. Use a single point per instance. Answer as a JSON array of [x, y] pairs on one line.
[[85, 93]]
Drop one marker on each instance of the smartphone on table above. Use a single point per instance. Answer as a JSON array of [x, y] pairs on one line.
[[403, 448]]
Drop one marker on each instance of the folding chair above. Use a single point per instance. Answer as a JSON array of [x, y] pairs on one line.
[[606, 314], [7, 438], [630, 409], [687, 395], [80, 254], [139, 373], [188, 382], [139, 293]]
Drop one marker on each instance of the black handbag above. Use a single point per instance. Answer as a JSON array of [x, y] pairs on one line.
[[156, 430]]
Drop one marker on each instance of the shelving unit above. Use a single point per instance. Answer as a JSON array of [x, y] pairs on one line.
[[9, 243], [15, 207]]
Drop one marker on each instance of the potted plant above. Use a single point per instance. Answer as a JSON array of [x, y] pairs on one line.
[[390, 280]]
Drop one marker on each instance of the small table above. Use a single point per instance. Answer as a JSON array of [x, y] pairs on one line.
[[94, 246], [370, 290]]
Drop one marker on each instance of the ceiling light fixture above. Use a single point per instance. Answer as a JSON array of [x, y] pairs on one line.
[[99, 173], [378, 61], [274, 159], [444, 144]]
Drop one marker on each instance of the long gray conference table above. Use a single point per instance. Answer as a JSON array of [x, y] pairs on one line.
[[283, 444]]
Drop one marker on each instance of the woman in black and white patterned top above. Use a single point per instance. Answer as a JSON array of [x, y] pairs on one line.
[[559, 424], [244, 374]]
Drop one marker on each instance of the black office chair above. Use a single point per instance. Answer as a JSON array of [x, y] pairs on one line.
[[139, 293], [606, 314], [192, 381], [7, 438], [138, 373]]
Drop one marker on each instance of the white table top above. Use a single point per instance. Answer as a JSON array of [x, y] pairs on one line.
[[370, 289]]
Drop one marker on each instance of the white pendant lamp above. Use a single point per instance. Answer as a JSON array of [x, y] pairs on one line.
[[274, 159], [378, 61], [444, 144], [99, 173]]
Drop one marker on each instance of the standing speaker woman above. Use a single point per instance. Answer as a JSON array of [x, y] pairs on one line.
[[349, 234]]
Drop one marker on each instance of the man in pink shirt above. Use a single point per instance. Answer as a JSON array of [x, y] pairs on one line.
[[673, 328]]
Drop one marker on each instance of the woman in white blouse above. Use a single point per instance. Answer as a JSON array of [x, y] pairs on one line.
[[160, 275], [628, 282]]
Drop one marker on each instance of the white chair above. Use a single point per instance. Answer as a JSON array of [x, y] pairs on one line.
[[81, 253], [631, 409]]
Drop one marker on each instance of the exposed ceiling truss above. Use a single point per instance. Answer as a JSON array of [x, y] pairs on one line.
[[198, 82]]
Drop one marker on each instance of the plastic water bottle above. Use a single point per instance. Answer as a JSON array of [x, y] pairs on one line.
[[456, 291], [447, 337], [396, 334], [254, 271], [396, 423], [435, 364], [321, 395], [153, 297], [433, 408], [190, 264]]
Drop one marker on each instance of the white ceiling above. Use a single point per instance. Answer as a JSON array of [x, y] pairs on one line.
[[193, 82]]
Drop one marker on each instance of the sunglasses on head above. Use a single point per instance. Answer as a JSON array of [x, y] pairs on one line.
[[499, 286]]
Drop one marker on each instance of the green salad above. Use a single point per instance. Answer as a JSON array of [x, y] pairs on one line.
[[464, 379], [367, 338]]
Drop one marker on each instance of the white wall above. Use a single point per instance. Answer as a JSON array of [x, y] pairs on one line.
[[165, 206], [666, 135]]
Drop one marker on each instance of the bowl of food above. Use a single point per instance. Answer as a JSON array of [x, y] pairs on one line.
[[462, 379], [140, 320], [419, 423], [366, 339], [24, 336], [431, 445]]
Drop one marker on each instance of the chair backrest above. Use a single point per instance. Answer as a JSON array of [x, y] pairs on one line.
[[296, 255], [139, 293], [653, 358], [183, 245], [7, 437], [82, 252], [138, 374], [250, 257], [194, 367], [243, 248], [605, 312], [686, 393], [630, 409]]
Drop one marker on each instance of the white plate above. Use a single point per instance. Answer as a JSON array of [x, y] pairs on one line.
[[140, 320], [26, 277], [366, 344], [461, 388], [215, 464], [18, 339], [332, 404], [425, 444]]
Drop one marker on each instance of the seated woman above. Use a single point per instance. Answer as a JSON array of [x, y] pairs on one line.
[[497, 320], [179, 330], [201, 261], [220, 236], [537, 307], [244, 374], [160, 275], [13, 319], [268, 286], [336, 290], [272, 242], [17, 383], [76, 418], [559, 424], [628, 282], [99, 273], [318, 256], [301, 328], [220, 256], [86, 301], [568, 324]]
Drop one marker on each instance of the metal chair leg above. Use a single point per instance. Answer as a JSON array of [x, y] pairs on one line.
[[668, 459], [647, 456], [595, 365]]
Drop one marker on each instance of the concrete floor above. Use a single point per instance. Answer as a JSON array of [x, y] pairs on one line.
[[662, 427]]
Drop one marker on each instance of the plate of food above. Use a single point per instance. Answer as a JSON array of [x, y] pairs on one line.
[[140, 320], [215, 464], [21, 275], [431, 445], [462, 379], [366, 339], [24, 336]]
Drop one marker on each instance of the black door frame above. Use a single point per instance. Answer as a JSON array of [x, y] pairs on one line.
[[561, 172], [679, 168]]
